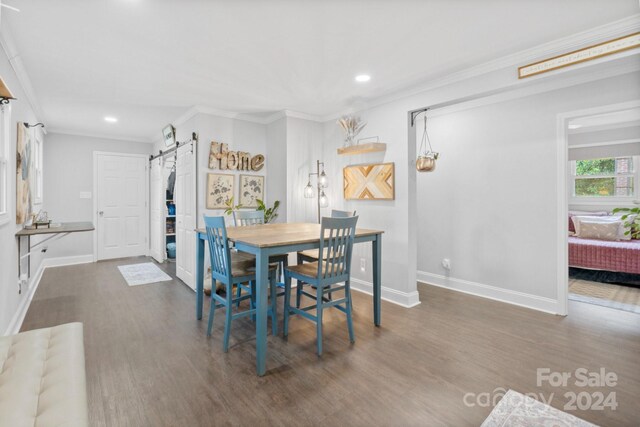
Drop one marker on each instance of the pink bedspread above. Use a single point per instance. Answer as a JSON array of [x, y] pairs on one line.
[[621, 256]]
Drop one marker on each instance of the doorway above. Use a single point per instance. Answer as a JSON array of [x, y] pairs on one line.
[[173, 210], [597, 175], [121, 212]]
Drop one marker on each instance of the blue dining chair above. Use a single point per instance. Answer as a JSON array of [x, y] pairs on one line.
[[245, 218], [312, 255], [230, 273], [329, 275], [242, 218]]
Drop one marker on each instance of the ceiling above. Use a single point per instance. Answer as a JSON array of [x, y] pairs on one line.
[[148, 61]]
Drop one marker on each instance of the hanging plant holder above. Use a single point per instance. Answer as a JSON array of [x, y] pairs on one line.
[[426, 161]]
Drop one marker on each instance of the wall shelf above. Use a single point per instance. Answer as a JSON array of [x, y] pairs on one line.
[[370, 147]]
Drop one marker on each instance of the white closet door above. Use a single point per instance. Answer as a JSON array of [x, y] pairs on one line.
[[122, 227], [185, 198], [157, 211]]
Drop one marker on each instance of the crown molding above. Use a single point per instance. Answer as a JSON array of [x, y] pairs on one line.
[[100, 136], [10, 49], [247, 117], [575, 41]]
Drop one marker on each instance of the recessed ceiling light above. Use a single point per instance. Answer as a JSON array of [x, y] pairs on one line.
[[110, 119], [576, 126], [363, 78]]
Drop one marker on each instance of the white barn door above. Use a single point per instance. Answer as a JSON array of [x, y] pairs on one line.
[[185, 198], [121, 200], [157, 210]]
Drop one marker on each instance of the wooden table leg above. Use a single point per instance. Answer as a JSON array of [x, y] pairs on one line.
[[199, 275], [376, 255]]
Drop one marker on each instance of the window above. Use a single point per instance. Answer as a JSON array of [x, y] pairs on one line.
[[5, 112], [611, 179]]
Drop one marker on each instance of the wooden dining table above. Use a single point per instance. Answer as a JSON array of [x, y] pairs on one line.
[[268, 240]]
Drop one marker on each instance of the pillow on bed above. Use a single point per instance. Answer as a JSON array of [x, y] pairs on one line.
[[600, 230], [583, 213], [617, 219]]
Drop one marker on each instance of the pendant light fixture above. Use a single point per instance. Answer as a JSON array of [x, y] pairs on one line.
[[426, 161], [322, 200]]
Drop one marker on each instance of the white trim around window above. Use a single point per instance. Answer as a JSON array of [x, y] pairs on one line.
[[37, 166], [5, 136]]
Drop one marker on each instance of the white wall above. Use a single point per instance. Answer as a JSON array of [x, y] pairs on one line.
[[389, 123], [276, 185], [68, 162], [451, 220], [305, 141], [491, 206], [13, 304]]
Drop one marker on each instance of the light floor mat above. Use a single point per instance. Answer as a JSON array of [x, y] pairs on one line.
[[142, 274]]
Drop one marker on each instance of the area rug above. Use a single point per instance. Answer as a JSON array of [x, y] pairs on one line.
[[141, 274], [626, 298], [516, 409], [604, 276]]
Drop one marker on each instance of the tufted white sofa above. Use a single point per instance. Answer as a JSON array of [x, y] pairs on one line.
[[42, 378]]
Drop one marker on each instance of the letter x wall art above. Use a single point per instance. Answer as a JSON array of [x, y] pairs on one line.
[[369, 182]]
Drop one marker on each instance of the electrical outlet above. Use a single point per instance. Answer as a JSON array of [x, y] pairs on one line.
[[23, 283], [446, 263], [363, 264]]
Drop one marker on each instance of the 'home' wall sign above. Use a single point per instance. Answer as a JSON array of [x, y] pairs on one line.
[[221, 158]]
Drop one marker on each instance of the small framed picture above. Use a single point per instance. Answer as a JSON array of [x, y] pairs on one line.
[[219, 190], [251, 189], [169, 135]]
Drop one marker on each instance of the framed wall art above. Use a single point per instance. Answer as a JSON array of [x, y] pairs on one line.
[[24, 154], [369, 182], [251, 189], [219, 190]]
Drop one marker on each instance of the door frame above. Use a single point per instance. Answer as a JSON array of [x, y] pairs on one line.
[[96, 154], [562, 169], [163, 203]]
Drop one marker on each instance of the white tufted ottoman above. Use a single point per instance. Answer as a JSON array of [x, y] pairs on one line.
[[42, 378]]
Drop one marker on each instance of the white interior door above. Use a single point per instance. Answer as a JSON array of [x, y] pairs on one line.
[[157, 210], [121, 201], [185, 198]]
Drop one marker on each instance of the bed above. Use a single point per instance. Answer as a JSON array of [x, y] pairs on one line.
[[619, 256]]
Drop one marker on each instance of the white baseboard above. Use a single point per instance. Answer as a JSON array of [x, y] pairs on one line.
[[21, 312], [67, 260], [404, 299], [548, 305]]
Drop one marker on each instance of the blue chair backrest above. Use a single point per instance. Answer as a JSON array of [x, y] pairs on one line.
[[342, 214], [242, 218], [336, 237], [218, 248]]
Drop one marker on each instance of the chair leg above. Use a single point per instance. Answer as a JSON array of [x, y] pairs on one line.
[[299, 285], [274, 303], [238, 294], [347, 294], [227, 321], [252, 285], [319, 319], [212, 311], [298, 292], [287, 303]]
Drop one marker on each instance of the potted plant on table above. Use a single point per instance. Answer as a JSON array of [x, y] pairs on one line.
[[270, 214]]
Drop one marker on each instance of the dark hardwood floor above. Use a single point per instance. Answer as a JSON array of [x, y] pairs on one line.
[[149, 362]]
